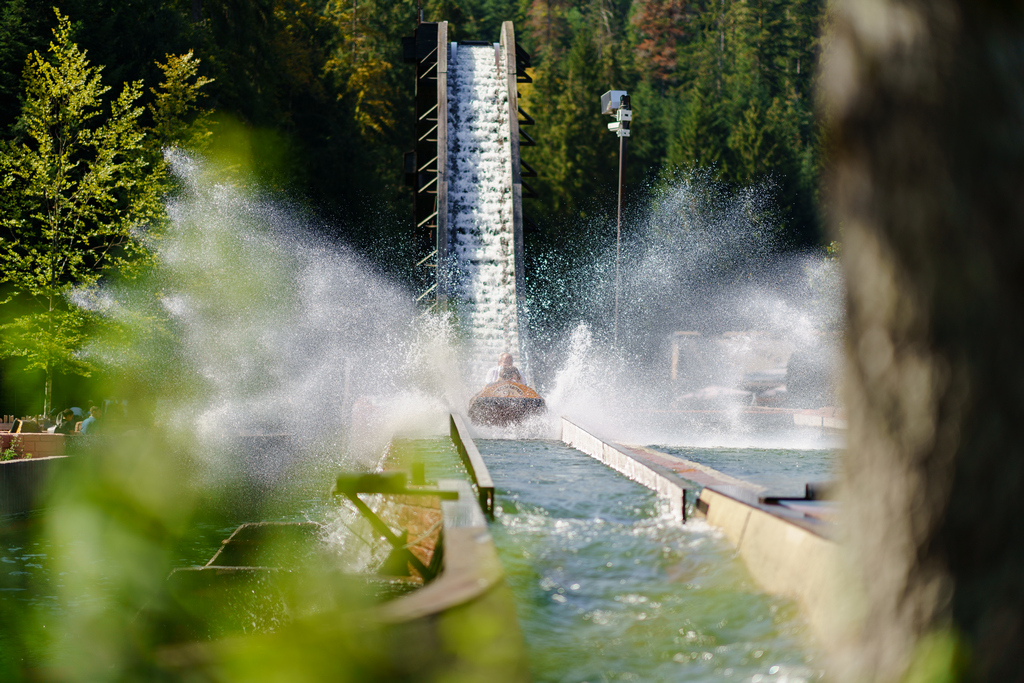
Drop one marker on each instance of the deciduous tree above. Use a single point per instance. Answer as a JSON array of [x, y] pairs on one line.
[[80, 190]]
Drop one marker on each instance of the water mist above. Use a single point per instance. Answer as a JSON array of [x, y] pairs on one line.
[[705, 267]]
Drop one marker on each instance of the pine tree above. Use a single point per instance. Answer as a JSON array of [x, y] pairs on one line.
[[547, 28], [579, 158]]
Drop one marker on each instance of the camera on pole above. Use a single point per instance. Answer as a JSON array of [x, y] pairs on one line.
[[616, 103]]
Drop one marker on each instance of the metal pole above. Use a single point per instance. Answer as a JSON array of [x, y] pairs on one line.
[[616, 102], [618, 235]]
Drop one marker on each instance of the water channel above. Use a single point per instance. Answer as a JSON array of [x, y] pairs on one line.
[[610, 589], [607, 586]]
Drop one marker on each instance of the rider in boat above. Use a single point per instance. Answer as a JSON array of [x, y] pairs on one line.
[[505, 400], [504, 361], [510, 373]]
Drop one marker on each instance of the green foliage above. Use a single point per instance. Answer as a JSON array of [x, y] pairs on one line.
[[69, 179], [723, 85], [940, 656], [15, 450], [571, 160], [80, 187], [177, 119]]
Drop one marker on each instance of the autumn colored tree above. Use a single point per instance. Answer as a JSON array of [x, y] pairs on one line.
[[661, 28]]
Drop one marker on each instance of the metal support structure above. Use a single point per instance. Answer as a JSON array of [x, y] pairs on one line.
[[441, 240], [618, 236], [351, 486], [426, 165], [523, 62]]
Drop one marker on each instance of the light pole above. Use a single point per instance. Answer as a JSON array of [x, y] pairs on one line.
[[616, 103]]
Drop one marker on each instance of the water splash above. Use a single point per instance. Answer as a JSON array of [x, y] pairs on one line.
[[710, 300], [577, 369], [277, 332], [268, 330]]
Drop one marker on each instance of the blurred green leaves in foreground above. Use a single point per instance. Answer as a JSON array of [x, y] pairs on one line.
[[116, 593]]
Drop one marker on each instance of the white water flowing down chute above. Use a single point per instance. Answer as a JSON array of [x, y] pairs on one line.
[[480, 206]]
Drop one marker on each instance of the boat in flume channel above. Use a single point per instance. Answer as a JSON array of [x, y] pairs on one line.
[[504, 403]]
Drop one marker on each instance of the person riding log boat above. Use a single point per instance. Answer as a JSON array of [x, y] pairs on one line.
[[505, 400]]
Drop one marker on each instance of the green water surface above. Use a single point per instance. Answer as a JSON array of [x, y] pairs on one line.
[[609, 588], [780, 471]]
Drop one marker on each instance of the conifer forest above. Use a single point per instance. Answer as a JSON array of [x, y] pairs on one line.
[[317, 97]]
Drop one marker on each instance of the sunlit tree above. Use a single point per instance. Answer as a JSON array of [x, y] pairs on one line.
[[80, 186]]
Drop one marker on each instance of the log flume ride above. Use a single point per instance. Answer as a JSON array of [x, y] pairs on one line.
[[504, 403]]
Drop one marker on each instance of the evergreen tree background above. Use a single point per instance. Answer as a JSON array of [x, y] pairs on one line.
[[319, 90]]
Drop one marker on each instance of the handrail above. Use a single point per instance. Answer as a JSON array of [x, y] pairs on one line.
[[434, 180], [424, 166], [474, 463], [424, 136], [427, 112], [424, 222], [429, 55]]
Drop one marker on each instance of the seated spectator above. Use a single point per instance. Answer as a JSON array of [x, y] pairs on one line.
[[91, 424], [67, 423]]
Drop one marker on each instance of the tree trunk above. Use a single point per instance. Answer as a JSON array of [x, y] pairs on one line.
[[48, 387], [48, 391], [926, 107]]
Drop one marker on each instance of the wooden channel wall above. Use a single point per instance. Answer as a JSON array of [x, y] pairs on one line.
[[23, 482], [784, 558], [508, 46], [469, 596], [470, 593], [474, 463]]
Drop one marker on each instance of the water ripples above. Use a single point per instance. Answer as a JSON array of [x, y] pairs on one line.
[[609, 588]]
